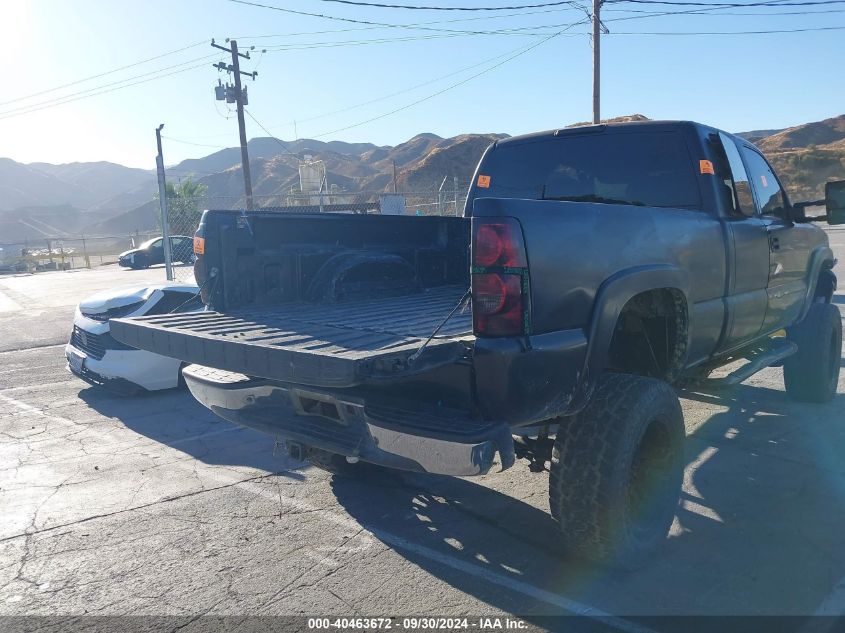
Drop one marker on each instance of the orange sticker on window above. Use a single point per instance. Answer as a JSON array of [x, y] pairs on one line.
[[764, 180], [706, 167], [199, 245], [484, 182]]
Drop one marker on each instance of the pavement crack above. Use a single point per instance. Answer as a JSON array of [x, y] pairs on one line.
[[143, 506]]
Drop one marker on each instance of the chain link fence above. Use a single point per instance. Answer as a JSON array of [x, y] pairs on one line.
[[67, 252]]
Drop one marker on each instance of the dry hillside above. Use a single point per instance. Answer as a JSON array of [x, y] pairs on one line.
[[42, 200], [806, 156]]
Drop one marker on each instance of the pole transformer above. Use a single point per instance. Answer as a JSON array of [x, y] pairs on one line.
[[235, 93]]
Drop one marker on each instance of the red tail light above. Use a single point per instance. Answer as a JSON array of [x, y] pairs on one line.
[[499, 244], [500, 278]]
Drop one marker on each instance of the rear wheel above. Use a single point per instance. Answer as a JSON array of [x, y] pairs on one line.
[[617, 469], [812, 373]]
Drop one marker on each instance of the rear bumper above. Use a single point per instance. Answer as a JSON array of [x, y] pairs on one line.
[[435, 440], [531, 379]]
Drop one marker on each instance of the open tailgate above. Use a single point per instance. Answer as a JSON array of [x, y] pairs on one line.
[[330, 345]]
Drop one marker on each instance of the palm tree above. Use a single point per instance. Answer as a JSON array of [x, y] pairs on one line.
[[184, 205]]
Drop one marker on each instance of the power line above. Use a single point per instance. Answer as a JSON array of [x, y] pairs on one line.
[[187, 172], [70, 97], [820, 28], [512, 55], [406, 90], [439, 8], [102, 74], [109, 87], [266, 131], [428, 82], [178, 140], [409, 26], [707, 12], [520, 52], [195, 44], [711, 11], [354, 20], [411, 88], [524, 31], [740, 5], [129, 81], [14, 113], [521, 31], [708, 8]]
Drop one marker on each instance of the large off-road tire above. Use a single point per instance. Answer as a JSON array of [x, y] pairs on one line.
[[812, 373], [617, 469]]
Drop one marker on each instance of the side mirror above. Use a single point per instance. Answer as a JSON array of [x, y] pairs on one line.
[[834, 200], [798, 212]]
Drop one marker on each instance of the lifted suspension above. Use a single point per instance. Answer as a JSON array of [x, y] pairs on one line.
[[537, 450]]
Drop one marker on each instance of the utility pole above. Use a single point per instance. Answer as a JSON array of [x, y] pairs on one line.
[[162, 201], [596, 61], [239, 96]]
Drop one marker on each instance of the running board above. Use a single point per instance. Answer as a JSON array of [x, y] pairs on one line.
[[777, 352]]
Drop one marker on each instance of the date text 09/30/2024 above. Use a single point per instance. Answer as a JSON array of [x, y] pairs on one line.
[[416, 624]]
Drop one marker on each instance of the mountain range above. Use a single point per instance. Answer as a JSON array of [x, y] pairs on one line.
[[40, 200]]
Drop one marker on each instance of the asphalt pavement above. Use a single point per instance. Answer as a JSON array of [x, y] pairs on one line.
[[153, 506]]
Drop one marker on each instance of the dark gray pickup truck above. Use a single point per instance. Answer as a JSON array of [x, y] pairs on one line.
[[593, 268]]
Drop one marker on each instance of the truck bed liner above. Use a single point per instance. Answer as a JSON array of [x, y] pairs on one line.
[[334, 345]]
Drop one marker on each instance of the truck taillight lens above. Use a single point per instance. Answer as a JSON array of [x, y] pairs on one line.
[[497, 308], [498, 244], [500, 278]]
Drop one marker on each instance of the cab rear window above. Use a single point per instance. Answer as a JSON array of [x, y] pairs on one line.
[[638, 168]]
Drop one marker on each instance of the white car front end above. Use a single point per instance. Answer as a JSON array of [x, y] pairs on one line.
[[96, 357]]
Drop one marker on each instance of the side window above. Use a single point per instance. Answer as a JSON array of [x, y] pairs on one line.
[[157, 244], [769, 194], [743, 200]]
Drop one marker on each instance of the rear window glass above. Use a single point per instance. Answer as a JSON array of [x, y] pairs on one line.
[[641, 168]]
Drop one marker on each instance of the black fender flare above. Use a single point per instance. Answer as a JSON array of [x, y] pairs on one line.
[[821, 259], [612, 296]]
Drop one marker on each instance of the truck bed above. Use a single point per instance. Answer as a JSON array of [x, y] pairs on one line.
[[320, 344]]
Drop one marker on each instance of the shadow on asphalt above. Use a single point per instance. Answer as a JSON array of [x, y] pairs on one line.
[[760, 522], [174, 418]]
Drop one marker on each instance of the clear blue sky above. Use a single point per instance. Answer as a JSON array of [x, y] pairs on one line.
[[737, 82]]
